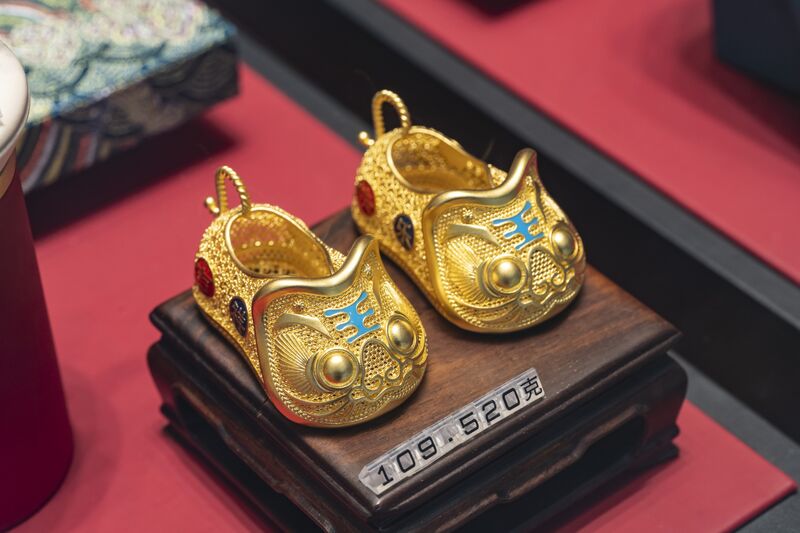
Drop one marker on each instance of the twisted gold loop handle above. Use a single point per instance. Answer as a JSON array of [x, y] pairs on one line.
[[380, 98], [223, 173]]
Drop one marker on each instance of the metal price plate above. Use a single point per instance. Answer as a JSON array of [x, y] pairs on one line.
[[444, 436]]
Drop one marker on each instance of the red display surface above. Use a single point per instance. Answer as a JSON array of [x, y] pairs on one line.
[[639, 80], [141, 217]]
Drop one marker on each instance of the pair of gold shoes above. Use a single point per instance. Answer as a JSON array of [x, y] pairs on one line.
[[330, 336]]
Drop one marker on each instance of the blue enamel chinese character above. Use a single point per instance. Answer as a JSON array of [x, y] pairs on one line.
[[354, 318], [520, 227]]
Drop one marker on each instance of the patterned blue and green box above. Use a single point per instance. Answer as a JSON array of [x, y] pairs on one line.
[[105, 74]]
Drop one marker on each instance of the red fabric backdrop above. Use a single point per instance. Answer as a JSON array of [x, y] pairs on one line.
[[639, 80], [122, 239]]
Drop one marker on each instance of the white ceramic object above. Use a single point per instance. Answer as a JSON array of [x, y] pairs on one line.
[[14, 103]]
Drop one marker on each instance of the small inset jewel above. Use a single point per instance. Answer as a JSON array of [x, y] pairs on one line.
[[203, 277], [365, 198], [404, 231], [238, 311]]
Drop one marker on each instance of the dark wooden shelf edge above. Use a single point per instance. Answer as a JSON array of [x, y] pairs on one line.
[[190, 406]]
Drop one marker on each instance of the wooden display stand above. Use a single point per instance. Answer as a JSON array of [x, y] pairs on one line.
[[611, 399]]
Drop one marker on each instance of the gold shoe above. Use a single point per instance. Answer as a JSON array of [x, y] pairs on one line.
[[330, 337], [492, 251]]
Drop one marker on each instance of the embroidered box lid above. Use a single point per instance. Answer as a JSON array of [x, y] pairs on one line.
[[105, 74]]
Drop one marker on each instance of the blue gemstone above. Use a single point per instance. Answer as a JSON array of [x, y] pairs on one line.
[[238, 310], [404, 231]]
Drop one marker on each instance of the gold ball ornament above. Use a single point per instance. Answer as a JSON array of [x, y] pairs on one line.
[[401, 335], [506, 275], [338, 369], [564, 242]]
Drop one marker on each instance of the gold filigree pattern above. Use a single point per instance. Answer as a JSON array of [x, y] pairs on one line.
[[381, 376], [492, 251], [330, 337]]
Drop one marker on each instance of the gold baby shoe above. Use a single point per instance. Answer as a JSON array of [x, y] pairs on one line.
[[330, 337], [492, 251]]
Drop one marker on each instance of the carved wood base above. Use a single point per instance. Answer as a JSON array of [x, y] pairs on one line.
[[612, 397]]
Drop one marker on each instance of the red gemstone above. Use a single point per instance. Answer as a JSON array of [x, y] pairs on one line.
[[203, 277], [365, 198]]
